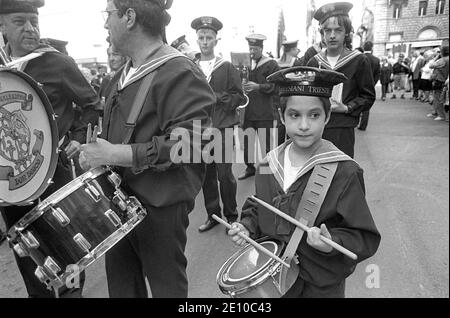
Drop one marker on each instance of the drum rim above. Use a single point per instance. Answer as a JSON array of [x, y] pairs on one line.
[[52, 200], [257, 272], [259, 277], [55, 140]]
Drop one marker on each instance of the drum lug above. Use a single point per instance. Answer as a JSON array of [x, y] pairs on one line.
[[30, 241], [115, 179], [114, 218], [20, 250], [52, 266], [92, 192], [120, 200], [42, 275], [60, 216], [81, 241]]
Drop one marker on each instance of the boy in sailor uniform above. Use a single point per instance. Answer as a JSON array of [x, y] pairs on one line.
[[357, 93], [284, 181]]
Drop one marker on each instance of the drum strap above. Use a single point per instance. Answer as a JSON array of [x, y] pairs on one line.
[[307, 212], [138, 104]]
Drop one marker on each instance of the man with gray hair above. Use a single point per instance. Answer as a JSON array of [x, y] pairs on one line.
[[176, 96]]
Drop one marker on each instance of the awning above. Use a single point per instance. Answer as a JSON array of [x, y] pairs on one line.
[[427, 43]]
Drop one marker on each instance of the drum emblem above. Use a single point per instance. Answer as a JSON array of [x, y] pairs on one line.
[[15, 141]]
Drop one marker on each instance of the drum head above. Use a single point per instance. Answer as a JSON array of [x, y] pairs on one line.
[[28, 139], [250, 262]]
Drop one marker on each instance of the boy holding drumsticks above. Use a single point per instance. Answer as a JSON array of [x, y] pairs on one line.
[[311, 180]]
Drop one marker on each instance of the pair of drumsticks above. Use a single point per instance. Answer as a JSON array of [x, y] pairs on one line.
[[91, 137], [290, 219]]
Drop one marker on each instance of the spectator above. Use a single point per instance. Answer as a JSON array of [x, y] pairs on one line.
[[441, 70], [416, 68], [426, 84], [401, 71], [386, 77]]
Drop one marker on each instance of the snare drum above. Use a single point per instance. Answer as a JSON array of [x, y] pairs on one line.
[[251, 274], [75, 226]]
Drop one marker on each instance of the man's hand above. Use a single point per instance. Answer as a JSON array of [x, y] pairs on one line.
[[96, 154], [338, 107], [250, 87], [238, 228], [72, 149], [315, 241]]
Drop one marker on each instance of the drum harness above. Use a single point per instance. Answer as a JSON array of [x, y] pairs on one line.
[[307, 212]]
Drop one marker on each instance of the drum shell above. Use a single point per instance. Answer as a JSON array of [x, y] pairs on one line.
[[87, 217]]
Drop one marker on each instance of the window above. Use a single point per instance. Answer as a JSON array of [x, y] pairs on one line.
[[440, 6], [395, 37], [423, 8], [397, 10]]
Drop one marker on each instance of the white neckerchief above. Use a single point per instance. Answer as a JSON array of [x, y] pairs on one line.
[[208, 67], [290, 172], [333, 60], [130, 74]]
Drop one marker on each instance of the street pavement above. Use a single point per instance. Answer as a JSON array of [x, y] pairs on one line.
[[406, 161]]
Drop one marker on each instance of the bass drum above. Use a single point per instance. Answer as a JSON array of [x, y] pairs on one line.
[[28, 139]]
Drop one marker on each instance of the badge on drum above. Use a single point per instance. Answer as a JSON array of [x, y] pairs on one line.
[[28, 139]]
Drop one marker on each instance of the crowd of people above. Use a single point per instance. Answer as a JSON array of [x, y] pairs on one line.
[[425, 75], [314, 103]]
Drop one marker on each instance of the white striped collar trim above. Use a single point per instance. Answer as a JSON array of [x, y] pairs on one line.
[[276, 161], [323, 61], [144, 69]]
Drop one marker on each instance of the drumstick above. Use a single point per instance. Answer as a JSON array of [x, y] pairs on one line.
[[89, 134], [290, 219], [95, 134], [255, 244], [74, 174]]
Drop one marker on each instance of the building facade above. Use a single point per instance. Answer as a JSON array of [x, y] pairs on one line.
[[403, 26]]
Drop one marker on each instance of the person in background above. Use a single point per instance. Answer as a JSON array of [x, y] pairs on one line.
[[401, 71], [426, 82], [115, 62], [376, 70], [416, 68], [357, 93], [182, 45], [441, 72], [225, 81], [260, 112], [290, 55], [386, 76]]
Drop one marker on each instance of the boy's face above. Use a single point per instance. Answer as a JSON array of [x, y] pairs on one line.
[[305, 120], [207, 41], [333, 33]]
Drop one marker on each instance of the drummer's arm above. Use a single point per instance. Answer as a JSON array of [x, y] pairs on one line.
[[81, 93]]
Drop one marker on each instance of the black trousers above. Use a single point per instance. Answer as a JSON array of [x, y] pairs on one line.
[[223, 173], [26, 265], [416, 86], [153, 250], [264, 140], [343, 138], [384, 90]]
